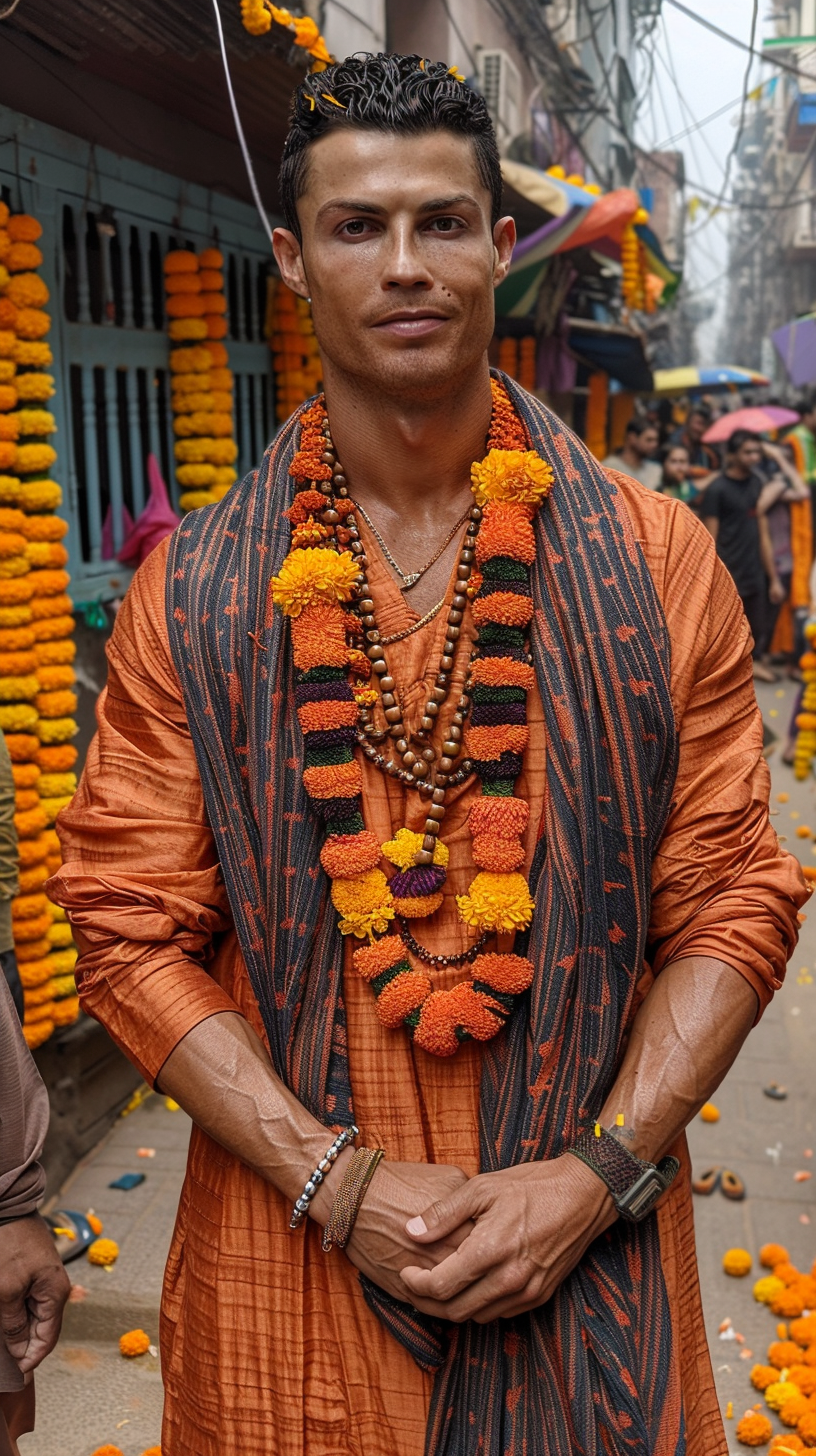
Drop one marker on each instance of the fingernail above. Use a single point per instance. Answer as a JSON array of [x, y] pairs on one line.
[[416, 1226]]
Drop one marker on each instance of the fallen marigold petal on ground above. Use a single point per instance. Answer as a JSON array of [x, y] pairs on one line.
[[754, 1429]]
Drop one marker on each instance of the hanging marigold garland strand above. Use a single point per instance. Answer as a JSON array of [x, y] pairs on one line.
[[201, 381], [37, 678], [315, 587]]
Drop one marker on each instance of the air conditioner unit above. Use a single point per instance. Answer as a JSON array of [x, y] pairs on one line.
[[501, 87]]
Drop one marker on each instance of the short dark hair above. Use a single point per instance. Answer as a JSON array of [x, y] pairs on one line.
[[638, 424], [699, 407], [404, 95], [740, 438], [808, 405]]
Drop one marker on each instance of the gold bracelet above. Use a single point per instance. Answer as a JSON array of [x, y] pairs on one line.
[[349, 1197]]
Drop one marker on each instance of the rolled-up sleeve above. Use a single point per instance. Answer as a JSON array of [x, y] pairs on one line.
[[722, 885], [141, 882]]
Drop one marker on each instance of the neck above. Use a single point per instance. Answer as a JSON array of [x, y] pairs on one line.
[[408, 455], [631, 456]]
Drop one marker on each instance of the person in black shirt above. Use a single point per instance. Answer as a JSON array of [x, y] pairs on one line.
[[729, 510], [703, 459]]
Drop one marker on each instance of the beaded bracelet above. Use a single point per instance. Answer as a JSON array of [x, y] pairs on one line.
[[312, 1184], [349, 1197]]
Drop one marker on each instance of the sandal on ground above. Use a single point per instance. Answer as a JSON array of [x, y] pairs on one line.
[[731, 1186], [774, 1090], [72, 1233], [764, 674], [707, 1182]]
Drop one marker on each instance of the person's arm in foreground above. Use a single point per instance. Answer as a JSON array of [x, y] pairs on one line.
[[33, 1283], [143, 888], [724, 902]]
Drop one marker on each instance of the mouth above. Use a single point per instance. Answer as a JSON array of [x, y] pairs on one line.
[[412, 323]]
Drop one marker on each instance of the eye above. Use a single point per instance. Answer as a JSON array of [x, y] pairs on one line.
[[355, 227], [446, 224]]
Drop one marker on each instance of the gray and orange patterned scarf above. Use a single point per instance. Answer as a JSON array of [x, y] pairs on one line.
[[587, 1373]]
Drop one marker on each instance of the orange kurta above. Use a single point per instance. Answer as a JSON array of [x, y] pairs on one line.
[[268, 1347]]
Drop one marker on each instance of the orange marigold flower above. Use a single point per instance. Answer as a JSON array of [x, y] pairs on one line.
[[319, 637], [504, 608], [503, 672], [107, 1451], [311, 533], [788, 1303], [788, 1273], [737, 1262], [501, 856], [503, 817], [96, 1223], [333, 780], [497, 902], [444, 1011], [803, 1331], [135, 1342], [345, 855], [401, 996], [364, 904], [505, 530], [754, 1429], [312, 575], [771, 1254], [321, 716], [306, 503], [510, 974], [786, 1444], [783, 1353], [371, 960], [804, 1376], [490, 742], [764, 1375], [792, 1411], [806, 1426], [103, 1251], [511, 475]]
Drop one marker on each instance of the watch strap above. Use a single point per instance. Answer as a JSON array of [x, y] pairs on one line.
[[617, 1167]]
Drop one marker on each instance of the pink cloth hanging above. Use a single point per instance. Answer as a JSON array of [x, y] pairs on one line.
[[157, 520]]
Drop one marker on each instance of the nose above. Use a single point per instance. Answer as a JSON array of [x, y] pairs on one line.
[[404, 265]]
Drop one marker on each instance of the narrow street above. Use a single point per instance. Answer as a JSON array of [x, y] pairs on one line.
[[89, 1395]]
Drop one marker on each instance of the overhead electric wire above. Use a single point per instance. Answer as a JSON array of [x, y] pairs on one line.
[[733, 40], [267, 226]]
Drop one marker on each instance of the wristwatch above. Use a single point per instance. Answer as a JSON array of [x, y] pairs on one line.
[[635, 1185]]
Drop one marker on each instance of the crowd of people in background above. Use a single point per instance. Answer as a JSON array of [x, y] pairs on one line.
[[756, 494]]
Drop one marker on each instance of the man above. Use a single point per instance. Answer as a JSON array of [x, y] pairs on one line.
[[731, 512], [33, 1283], [785, 502], [803, 440], [636, 457], [272, 746], [703, 459]]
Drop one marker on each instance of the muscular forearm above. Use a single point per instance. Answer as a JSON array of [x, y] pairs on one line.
[[220, 1073], [684, 1038]]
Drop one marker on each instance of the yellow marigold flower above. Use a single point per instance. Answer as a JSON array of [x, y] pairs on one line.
[[311, 575], [403, 848], [103, 1251], [737, 1262], [519, 476], [767, 1289], [497, 902], [364, 904], [779, 1394], [135, 1342]]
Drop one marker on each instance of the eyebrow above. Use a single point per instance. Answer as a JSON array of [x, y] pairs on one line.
[[436, 204]]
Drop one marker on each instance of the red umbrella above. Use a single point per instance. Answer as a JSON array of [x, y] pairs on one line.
[[760, 419]]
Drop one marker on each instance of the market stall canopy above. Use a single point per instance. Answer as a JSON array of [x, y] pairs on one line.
[[606, 218], [795, 343], [688, 380], [759, 419], [613, 349]]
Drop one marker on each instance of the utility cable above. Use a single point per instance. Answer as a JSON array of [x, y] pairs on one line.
[[262, 213], [740, 44]]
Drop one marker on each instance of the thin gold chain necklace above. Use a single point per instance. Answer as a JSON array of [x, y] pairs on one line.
[[410, 578]]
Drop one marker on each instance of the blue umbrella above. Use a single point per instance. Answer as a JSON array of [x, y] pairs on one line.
[[795, 343]]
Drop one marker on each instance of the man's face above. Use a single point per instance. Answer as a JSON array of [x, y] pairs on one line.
[[399, 258], [696, 427], [749, 455], [646, 442]]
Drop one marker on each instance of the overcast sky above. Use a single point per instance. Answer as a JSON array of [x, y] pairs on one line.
[[709, 73]]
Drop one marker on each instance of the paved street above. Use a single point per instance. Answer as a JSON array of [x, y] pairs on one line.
[[89, 1395]]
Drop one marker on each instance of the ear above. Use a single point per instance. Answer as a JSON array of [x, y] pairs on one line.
[[504, 241], [290, 261]]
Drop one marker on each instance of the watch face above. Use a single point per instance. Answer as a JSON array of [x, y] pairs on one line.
[[637, 1201]]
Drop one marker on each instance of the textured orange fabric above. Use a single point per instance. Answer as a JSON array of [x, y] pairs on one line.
[[801, 525], [267, 1344]]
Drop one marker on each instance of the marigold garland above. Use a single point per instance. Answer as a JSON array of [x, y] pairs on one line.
[[202, 384], [295, 353], [313, 588], [29, 598]]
